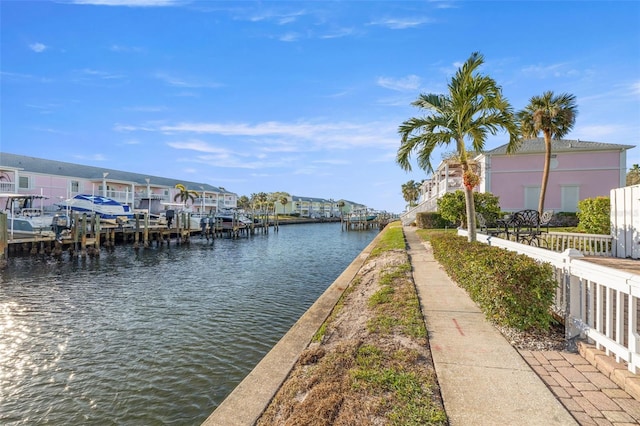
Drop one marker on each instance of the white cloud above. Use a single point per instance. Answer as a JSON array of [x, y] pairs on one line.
[[410, 82], [291, 36], [401, 24], [273, 136], [552, 70], [186, 83], [339, 33], [199, 146], [37, 47], [101, 74], [335, 162]]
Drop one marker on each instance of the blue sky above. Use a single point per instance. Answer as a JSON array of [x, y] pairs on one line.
[[302, 97]]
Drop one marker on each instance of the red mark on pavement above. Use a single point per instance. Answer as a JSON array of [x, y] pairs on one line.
[[458, 327]]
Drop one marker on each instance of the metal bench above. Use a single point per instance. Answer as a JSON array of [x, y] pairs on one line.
[[493, 229], [525, 226]]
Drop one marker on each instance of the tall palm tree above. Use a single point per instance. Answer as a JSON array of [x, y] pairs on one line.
[[259, 200], [411, 192], [284, 201], [185, 194], [473, 108], [552, 115], [243, 202]]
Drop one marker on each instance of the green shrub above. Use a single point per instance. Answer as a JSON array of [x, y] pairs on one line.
[[452, 207], [431, 220], [511, 289], [595, 215]]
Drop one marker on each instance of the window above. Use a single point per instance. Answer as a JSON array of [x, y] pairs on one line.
[[24, 182], [531, 197], [75, 186], [570, 195]]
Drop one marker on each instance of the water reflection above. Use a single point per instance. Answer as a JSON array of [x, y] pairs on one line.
[[157, 336]]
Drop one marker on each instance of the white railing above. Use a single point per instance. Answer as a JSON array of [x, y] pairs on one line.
[[596, 302], [7, 187], [410, 216], [588, 244]]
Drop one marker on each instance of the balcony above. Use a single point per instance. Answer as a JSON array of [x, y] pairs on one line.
[[7, 187]]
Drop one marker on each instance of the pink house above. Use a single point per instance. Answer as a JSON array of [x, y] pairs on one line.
[[579, 170], [58, 180]]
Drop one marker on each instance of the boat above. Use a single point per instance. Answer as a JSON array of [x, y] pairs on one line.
[[108, 208], [24, 218], [228, 218], [363, 215]]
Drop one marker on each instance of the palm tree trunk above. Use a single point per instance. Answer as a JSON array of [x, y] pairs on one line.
[[471, 214], [545, 171], [468, 194]]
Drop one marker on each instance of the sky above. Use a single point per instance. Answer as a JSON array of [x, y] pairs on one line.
[[303, 97]]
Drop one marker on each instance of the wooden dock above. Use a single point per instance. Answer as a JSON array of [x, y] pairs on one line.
[[362, 223], [88, 234]]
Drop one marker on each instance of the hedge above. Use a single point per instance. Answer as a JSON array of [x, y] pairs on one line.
[[431, 220], [511, 289]]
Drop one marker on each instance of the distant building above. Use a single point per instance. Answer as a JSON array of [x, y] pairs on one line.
[[317, 207], [59, 180]]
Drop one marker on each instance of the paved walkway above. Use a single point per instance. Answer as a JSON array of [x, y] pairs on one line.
[[485, 381]]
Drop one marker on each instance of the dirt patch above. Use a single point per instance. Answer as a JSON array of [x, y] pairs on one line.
[[371, 364]]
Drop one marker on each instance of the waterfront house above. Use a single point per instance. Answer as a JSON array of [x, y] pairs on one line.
[[579, 170], [59, 180], [310, 207]]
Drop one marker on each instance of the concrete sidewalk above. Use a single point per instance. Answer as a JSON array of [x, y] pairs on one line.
[[483, 379]]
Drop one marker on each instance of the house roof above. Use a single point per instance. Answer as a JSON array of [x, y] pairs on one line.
[[60, 168], [536, 146]]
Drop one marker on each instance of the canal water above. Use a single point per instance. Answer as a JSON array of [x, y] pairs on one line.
[[158, 336]]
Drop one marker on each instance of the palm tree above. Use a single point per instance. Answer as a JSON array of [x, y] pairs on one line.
[[284, 201], [411, 192], [185, 194], [243, 202], [633, 177], [552, 115], [259, 200], [473, 108]]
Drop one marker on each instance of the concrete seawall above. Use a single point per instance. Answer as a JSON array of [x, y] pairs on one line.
[[250, 398]]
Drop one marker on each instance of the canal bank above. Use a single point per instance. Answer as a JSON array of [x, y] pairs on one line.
[[248, 400], [483, 379]]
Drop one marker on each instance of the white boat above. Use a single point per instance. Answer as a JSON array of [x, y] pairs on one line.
[[363, 215], [25, 218], [107, 208], [229, 217]]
